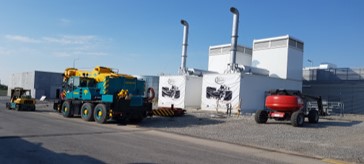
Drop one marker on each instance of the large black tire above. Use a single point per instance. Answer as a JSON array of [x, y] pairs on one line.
[[261, 116], [87, 112], [100, 113], [18, 107], [8, 106], [313, 116], [297, 119], [59, 108], [67, 109]]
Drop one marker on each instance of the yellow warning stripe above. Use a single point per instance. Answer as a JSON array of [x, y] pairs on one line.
[[163, 112], [106, 86], [334, 161]]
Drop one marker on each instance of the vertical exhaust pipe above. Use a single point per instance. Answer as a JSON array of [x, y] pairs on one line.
[[234, 39], [183, 69]]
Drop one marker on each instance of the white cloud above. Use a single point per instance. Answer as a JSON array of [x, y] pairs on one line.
[[21, 38], [70, 39], [78, 53], [61, 46], [63, 39]]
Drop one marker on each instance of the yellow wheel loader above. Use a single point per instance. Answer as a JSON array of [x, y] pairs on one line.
[[21, 99]]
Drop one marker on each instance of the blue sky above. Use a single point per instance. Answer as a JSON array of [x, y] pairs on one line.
[[145, 36]]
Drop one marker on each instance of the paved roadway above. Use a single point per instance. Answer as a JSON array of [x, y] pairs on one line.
[[46, 137]]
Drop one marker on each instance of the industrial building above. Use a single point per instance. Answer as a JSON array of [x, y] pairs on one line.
[[237, 76], [342, 89], [40, 83], [275, 63], [183, 90]]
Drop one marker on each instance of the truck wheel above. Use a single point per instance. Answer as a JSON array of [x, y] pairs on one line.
[[297, 119], [87, 112], [313, 116], [124, 119], [67, 109], [261, 116], [18, 107], [100, 113], [8, 106]]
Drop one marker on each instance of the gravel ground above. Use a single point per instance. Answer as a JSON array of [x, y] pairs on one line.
[[333, 137]]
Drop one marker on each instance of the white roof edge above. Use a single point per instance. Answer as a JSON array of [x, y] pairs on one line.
[[277, 38], [227, 45], [47, 71]]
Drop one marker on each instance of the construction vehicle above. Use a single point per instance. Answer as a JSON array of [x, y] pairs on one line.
[[289, 105], [21, 99], [103, 94]]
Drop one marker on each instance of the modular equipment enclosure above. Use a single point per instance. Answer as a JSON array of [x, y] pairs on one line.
[[219, 57], [244, 92], [181, 91], [282, 56]]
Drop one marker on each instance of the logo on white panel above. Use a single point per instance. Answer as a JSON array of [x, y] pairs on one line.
[[219, 80], [171, 81], [221, 92], [172, 91]]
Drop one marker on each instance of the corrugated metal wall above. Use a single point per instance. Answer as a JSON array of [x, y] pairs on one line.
[[46, 84], [40, 83], [341, 84], [24, 80]]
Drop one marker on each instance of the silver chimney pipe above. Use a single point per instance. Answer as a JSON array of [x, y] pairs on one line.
[[234, 39], [183, 69]]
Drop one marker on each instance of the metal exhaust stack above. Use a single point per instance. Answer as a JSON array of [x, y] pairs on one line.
[[183, 69], [234, 39]]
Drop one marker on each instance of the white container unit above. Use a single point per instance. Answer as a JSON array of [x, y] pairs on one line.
[[282, 56], [219, 57], [181, 91], [242, 91], [151, 82]]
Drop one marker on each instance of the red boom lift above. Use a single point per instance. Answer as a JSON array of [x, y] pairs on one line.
[[289, 105]]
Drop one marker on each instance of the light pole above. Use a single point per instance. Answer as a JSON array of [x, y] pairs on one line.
[[74, 61]]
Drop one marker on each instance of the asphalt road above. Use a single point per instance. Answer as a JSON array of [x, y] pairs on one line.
[[46, 137]]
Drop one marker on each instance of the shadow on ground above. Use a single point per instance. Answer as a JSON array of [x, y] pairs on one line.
[[18, 150], [332, 123], [179, 122], [320, 124]]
